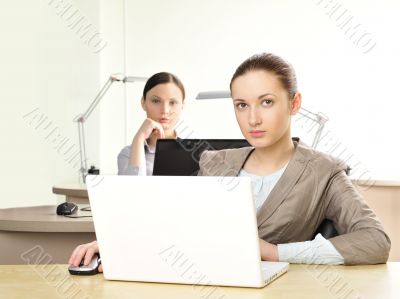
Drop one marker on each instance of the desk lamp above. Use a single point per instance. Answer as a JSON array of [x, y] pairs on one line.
[[82, 118]]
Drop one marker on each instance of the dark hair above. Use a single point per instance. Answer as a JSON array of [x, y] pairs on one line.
[[163, 78], [270, 63]]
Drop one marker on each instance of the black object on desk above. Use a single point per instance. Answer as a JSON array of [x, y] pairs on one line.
[[67, 208], [181, 156], [91, 269], [93, 170]]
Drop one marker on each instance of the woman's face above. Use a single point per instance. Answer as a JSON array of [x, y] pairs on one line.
[[262, 107], [163, 104]]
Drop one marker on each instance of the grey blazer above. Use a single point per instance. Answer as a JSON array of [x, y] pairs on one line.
[[313, 187]]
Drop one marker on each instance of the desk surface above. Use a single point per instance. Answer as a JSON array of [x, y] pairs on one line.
[[76, 190], [42, 219], [80, 190], [302, 281]]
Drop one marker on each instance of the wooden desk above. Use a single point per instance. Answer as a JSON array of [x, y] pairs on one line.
[[302, 281], [76, 193], [382, 196], [24, 228]]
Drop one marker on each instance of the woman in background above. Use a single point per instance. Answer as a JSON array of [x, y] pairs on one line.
[[162, 100]]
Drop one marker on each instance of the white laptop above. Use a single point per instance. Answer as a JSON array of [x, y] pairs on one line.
[[175, 229]]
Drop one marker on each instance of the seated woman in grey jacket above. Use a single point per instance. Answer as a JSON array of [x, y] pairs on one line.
[[162, 100], [295, 187]]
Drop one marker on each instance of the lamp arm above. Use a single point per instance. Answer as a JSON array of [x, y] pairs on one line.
[[81, 118], [132, 79], [317, 117], [97, 99], [82, 150], [218, 94], [317, 135]]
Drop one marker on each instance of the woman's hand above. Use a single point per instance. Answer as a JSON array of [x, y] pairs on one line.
[[86, 251], [269, 252], [148, 128]]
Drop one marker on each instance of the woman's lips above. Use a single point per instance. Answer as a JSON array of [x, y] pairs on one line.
[[257, 133], [164, 120]]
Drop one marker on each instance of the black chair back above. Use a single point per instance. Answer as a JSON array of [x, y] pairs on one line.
[[326, 229]]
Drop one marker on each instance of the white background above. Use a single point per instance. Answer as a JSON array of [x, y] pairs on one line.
[[46, 66], [205, 41]]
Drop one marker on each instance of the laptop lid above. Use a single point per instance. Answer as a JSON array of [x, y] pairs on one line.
[[181, 156], [191, 230]]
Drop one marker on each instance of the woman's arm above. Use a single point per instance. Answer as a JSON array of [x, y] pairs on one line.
[[362, 239], [131, 160], [124, 168], [317, 251], [137, 159]]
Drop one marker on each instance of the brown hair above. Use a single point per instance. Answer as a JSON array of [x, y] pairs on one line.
[[163, 78], [270, 63]]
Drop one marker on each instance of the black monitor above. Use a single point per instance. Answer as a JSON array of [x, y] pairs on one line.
[[181, 156]]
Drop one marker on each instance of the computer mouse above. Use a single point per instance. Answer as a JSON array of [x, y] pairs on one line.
[[91, 269], [67, 208]]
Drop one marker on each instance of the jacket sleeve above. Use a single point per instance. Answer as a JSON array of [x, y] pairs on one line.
[[209, 163], [202, 163], [361, 239]]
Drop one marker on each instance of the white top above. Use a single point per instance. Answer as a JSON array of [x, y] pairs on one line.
[[146, 166], [317, 251], [262, 185], [148, 154]]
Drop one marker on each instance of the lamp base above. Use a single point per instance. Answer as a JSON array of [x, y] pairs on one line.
[[93, 170]]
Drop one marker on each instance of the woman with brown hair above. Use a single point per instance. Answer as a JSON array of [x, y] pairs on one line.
[[294, 187], [162, 100]]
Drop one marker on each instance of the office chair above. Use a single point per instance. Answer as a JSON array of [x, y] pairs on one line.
[[326, 228]]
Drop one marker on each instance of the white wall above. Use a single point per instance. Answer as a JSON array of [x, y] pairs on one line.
[[113, 106], [46, 66], [203, 42]]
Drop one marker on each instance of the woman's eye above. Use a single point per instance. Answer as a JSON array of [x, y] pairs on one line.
[[241, 105], [173, 103], [155, 101], [267, 102]]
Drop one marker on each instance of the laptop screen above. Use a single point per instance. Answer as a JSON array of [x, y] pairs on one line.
[[181, 156]]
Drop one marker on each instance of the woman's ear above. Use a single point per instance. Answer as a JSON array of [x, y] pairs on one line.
[[295, 103], [142, 103]]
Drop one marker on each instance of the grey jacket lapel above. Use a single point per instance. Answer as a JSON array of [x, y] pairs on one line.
[[285, 184], [234, 160]]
